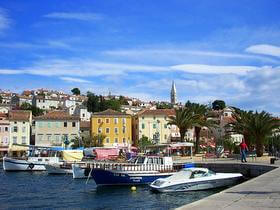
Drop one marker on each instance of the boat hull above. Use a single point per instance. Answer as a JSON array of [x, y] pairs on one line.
[[80, 173], [198, 185], [114, 177], [10, 164], [57, 169]]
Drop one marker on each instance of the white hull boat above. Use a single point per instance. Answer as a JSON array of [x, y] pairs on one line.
[[29, 164], [58, 168], [192, 179], [80, 172]]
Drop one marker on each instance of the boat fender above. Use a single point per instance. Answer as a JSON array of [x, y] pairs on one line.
[[86, 172], [31, 166]]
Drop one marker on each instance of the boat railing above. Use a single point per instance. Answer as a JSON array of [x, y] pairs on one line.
[[132, 167]]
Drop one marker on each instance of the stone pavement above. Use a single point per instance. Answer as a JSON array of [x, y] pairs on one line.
[[260, 193]]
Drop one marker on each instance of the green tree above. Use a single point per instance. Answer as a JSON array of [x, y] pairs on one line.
[[255, 125], [92, 102], [98, 140], [183, 119], [1, 99], [164, 106], [35, 110], [201, 120], [76, 91], [218, 105], [143, 143]]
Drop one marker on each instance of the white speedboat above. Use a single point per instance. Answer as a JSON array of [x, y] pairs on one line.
[[190, 179], [28, 164]]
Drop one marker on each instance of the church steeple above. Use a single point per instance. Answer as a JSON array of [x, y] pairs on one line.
[[173, 94]]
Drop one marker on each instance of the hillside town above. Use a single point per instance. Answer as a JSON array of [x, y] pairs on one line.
[[50, 118]]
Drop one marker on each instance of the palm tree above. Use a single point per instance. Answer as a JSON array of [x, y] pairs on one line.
[[183, 119], [200, 111], [256, 125], [262, 126]]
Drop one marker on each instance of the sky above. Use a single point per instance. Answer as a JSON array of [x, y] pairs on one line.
[[212, 49]]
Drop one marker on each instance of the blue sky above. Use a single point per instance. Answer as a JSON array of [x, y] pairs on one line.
[[212, 49]]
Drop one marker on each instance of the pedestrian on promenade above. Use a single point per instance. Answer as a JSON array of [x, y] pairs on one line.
[[243, 150]]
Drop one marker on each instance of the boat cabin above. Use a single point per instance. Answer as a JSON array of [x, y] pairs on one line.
[[153, 160]]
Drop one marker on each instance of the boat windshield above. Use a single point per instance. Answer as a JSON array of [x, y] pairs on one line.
[[181, 175], [201, 173]]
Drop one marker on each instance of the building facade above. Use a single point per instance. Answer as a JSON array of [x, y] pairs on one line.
[[20, 123], [56, 128], [116, 126], [154, 125], [4, 134]]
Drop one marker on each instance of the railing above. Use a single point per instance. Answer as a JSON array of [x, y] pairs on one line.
[[132, 167]]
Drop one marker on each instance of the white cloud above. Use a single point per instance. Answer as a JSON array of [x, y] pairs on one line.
[[178, 54], [75, 16], [211, 69], [49, 44], [72, 79], [4, 20], [11, 71], [264, 49]]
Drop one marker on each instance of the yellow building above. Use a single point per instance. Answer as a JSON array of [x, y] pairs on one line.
[[116, 126]]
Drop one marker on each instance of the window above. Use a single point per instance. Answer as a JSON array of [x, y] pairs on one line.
[[23, 140], [165, 125], [6, 128], [123, 140], [49, 137], [99, 121], [49, 124], [83, 115], [14, 139], [23, 129], [40, 137], [99, 130], [123, 129], [65, 124], [107, 120], [154, 118], [154, 126], [116, 120], [123, 120], [73, 124], [107, 140], [143, 126], [57, 138], [116, 130], [165, 136], [143, 118], [15, 129], [107, 130], [15, 122], [116, 140], [23, 122]]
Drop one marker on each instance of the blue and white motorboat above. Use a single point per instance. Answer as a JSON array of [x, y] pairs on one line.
[[144, 170], [191, 179]]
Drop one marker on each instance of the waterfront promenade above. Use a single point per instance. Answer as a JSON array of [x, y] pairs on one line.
[[260, 193]]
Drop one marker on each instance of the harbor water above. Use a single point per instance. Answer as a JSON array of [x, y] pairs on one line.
[[21, 190]]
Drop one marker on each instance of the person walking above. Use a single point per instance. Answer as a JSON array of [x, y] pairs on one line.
[[243, 150]]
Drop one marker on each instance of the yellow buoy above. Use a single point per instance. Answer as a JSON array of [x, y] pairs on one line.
[[133, 188]]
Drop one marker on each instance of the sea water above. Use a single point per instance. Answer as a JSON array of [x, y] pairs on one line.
[[21, 190]]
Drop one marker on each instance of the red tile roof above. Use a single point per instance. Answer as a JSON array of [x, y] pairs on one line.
[[167, 112], [19, 115], [57, 115], [109, 112]]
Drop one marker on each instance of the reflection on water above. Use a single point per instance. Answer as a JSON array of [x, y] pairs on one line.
[[40, 190]]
